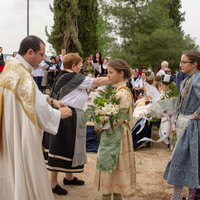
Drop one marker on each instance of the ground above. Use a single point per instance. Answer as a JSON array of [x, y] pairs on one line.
[[150, 166]]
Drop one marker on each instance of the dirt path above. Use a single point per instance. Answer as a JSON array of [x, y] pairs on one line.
[[150, 165]]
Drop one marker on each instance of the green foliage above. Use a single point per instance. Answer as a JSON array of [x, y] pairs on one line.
[[79, 26], [87, 116], [87, 26], [171, 91], [110, 95], [152, 119], [105, 40], [175, 13], [150, 32], [108, 101], [65, 31]]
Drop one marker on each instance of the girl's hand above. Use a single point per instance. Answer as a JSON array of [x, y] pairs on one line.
[[96, 129], [172, 132], [195, 116]]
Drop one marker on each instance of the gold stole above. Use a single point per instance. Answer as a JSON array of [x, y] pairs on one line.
[[18, 79]]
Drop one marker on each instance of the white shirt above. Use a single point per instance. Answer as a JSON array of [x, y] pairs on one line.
[[78, 97], [105, 66], [160, 72], [53, 67], [133, 81], [140, 83], [40, 71], [48, 118], [62, 67]]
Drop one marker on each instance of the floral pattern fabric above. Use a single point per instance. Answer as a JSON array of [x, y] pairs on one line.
[[123, 179]]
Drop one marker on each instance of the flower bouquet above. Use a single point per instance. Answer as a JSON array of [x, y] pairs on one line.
[[104, 111]]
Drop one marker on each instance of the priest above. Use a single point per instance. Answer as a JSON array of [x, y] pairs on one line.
[[24, 112]]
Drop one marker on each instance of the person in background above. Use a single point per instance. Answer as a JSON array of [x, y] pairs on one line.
[[52, 71], [58, 61], [179, 78], [25, 111], [87, 69], [44, 64], [157, 83], [104, 69], [97, 62], [139, 86], [132, 81], [164, 67], [164, 128], [150, 80], [39, 73], [63, 52], [157, 79], [147, 71], [2, 63], [183, 169], [173, 76], [91, 57]]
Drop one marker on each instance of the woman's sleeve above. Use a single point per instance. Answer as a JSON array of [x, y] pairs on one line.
[[196, 86], [86, 84]]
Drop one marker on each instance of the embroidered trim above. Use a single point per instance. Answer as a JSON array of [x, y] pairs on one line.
[[64, 170], [18, 80], [59, 157], [186, 89]]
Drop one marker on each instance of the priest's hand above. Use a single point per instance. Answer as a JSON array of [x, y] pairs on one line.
[[58, 104], [65, 112]]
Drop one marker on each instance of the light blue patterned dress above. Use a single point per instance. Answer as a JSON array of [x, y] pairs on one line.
[[184, 166]]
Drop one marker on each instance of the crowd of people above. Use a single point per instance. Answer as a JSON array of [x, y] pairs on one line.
[[26, 110], [142, 75]]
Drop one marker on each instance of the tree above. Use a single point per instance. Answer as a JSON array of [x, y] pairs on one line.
[[175, 13], [148, 34], [79, 26], [65, 29], [87, 26], [93, 28]]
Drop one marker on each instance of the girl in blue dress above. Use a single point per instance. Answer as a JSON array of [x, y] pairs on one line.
[[184, 166]]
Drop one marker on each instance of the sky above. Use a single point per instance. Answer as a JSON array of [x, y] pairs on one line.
[[13, 23]]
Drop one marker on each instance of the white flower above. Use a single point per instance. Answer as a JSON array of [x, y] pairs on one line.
[[110, 109]]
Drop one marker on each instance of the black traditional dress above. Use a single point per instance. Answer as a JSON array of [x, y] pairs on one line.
[[61, 152]]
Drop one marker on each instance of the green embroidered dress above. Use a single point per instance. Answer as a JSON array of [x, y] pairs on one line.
[[123, 179]]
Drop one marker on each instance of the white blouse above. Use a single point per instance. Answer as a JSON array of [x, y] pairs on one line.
[[78, 97], [140, 83]]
